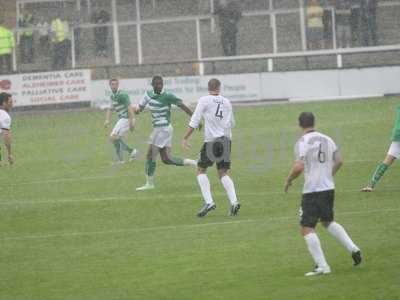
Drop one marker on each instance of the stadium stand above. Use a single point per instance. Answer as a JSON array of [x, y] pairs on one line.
[[168, 37]]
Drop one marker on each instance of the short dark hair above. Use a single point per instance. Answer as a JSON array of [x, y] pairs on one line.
[[113, 79], [155, 78], [306, 120], [214, 84], [4, 97]]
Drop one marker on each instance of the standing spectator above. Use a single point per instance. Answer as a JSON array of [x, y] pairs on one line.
[[76, 22], [59, 41], [44, 31], [368, 23], [100, 17], [315, 26], [229, 14], [343, 15], [7, 44], [26, 42]]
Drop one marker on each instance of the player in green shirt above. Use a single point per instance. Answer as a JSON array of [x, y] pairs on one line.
[[121, 104], [159, 103], [392, 155]]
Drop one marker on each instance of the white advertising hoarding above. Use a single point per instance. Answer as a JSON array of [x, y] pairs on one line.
[[189, 89], [48, 88]]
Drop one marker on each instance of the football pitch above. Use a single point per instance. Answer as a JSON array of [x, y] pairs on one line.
[[73, 226]]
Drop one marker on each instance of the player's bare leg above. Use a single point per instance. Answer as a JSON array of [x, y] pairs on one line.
[[229, 187], [379, 172], [114, 139], [150, 167], [205, 188], [168, 159], [314, 247]]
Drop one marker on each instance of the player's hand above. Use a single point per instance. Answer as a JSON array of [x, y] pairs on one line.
[[185, 144], [106, 123], [11, 159], [136, 109], [288, 183]]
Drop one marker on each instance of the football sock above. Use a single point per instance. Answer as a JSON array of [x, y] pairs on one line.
[[117, 146], [314, 246], [337, 230], [189, 162], [150, 167], [205, 188], [230, 189], [380, 170], [124, 146]]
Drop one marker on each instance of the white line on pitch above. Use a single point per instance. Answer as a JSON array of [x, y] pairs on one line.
[[143, 196], [175, 227], [88, 178]]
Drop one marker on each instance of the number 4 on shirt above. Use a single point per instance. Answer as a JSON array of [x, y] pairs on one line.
[[218, 113]]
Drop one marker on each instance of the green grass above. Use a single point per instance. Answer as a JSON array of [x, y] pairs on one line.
[[73, 227]]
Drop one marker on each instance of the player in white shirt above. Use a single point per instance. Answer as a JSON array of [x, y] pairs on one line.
[[218, 116], [6, 103], [318, 156]]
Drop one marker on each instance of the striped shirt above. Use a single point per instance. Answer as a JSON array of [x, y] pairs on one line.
[[120, 103], [160, 107]]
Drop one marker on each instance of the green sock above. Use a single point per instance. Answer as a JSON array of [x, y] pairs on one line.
[[150, 167], [380, 170], [124, 146], [117, 146]]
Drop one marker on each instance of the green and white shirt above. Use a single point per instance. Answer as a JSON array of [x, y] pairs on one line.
[[120, 102], [160, 107], [396, 129]]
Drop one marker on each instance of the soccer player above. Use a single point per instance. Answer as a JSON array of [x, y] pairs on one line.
[[218, 115], [120, 103], [6, 103], [159, 103], [391, 156], [318, 156]]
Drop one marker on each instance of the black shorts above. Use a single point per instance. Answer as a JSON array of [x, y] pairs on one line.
[[317, 207], [218, 151]]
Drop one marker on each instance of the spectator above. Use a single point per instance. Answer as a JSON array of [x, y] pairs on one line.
[[60, 43], [76, 22], [26, 41], [100, 17], [229, 14], [343, 30], [368, 23], [315, 26], [7, 44], [44, 31]]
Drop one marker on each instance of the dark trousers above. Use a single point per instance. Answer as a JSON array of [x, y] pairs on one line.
[[368, 31], [228, 40], [5, 63], [27, 50], [60, 55]]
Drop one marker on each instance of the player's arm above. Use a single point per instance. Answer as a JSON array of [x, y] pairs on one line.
[[142, 104], [195, 122], [338, 162], [297, 169], [7, 142], [108, 117], [131, 117], [189, 112]]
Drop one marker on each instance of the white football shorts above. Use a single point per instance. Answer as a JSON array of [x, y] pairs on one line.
[[394, 150], [161, 137]]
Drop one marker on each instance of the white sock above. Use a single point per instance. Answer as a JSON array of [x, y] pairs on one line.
[[205, 188], [314, 246], [341, 235], [150, 180], [230, 189], [189, 162]]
